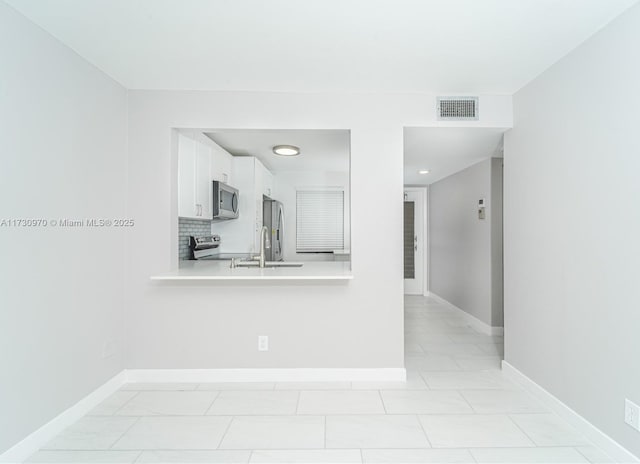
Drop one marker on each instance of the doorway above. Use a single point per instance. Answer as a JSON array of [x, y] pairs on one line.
[[414, 233]]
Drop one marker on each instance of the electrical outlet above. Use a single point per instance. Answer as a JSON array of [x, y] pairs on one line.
[[632, 414], [263, 343]]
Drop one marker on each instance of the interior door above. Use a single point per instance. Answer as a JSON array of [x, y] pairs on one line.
[[413, 242]]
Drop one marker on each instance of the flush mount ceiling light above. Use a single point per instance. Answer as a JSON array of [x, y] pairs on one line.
[[423, 171], [286, 150]]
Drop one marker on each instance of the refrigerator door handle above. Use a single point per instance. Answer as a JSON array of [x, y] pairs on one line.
[[280, 227]]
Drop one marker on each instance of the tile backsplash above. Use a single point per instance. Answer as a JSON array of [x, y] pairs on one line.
[[187, 227]]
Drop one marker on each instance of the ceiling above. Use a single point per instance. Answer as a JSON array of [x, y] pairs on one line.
[[320, 150], [446, 150], [433, 46]]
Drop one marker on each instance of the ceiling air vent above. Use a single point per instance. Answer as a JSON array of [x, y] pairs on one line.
[[458, 108]]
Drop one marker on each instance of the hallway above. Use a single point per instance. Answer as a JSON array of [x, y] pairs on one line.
[[443, 353], [439, 340], [456, 406]]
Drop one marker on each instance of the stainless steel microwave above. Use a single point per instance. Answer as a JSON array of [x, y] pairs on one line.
[[225, 201]]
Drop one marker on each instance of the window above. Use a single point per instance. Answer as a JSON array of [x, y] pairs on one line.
[[319, 220]]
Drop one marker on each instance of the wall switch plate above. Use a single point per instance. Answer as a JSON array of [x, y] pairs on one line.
[[263, 343], [632, 414], [481, 213]]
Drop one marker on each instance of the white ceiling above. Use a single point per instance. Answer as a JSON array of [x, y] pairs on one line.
[[438, 46], [320, 150], [446, 150]]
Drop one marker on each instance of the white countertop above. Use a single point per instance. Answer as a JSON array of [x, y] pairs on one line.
[[221, 270]]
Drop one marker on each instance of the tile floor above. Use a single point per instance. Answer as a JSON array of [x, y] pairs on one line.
[[456, 406]]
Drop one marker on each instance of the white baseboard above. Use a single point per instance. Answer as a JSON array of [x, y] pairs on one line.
[[36, 440], [474, 322], [594, 434], [268, 375]]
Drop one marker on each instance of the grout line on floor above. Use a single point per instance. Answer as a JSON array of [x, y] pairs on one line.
[[424, 431], [460, 392], [125, 432], [137, 459], [325, 432], [473, 456], [225, 432], [424, 379], [522, 430], [115, 413], [215, 398], [298, 403], [384, 406], [455, 361]]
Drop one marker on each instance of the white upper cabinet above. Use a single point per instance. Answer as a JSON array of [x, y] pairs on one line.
[[221, 165], [187, 204], [204, 182], [268, 184], [195, 193], [264, 180]]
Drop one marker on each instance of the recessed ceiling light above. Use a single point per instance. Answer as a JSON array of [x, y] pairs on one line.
[[423, 171], [286, 150]]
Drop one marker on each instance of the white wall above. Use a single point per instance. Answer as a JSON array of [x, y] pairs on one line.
[[62, 155], [572, 228], [285, 186], [464, 249], [216, 326]]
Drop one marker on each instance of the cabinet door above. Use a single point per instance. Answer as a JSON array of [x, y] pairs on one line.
[[187, 203], [264, 180], [221, 165], [268, 183], [204, 184]]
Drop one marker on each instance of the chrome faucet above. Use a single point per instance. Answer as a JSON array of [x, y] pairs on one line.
[[264, 244]]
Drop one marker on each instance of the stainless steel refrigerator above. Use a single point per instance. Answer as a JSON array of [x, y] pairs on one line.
[[273, 219]]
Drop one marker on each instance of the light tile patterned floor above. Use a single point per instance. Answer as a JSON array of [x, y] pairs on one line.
[[456, 406]]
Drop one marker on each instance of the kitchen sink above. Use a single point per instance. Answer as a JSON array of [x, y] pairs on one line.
[[282, 264], [268, 264]]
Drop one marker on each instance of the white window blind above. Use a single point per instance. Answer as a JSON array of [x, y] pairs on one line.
[[319, 220]]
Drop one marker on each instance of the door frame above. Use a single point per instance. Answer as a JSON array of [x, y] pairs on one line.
[[423, 193]]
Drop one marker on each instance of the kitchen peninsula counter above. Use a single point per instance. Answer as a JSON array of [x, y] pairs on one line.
[[220, 270]]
